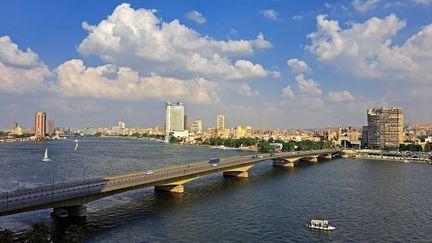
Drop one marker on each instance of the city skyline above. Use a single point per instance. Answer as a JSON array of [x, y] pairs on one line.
[[270, 65]]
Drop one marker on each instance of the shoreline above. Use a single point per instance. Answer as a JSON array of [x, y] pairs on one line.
[[390, 159]]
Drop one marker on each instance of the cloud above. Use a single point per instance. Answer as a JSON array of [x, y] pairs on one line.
[[246, 90], [297, 17], [364, 5], [340, 96], [142, 41], [20, 71], [196, 17], [422, 2], [287, 92], [307, 86], [123, 83], [297, 66], [366, 50], [270, 14]]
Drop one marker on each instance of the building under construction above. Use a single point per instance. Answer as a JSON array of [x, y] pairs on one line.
[[384, 129]]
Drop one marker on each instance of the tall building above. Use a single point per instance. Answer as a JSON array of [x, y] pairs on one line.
[[174, 117], [185, 126], [40, 124], [50, 126], [220, 122], [121, 125], [14, 125], [385, 128], [241, 132], [196, 127]]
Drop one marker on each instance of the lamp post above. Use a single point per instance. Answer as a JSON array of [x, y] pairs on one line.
[[52, 182]]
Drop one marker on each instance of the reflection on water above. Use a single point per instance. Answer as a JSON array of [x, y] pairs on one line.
[[364, 200]]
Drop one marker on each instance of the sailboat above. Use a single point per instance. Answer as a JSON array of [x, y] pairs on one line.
[[76, 146], [45, 158]]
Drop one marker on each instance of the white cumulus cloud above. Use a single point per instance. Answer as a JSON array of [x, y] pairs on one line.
[[270, 14], [366, 49], [246, 90], [196, 17], [423, 2], [122, 83], [308, 86], [364, 5], [287, 92], [340, 96], [297, 66], [140, 40], [20, 71]]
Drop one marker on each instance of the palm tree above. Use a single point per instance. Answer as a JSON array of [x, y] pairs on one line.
[[74, 234], [40, 233], [6, 236]]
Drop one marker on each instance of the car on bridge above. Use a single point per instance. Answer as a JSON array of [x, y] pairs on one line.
[[214, 161], [149, 172]]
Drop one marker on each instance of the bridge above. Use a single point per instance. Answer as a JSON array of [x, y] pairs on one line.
[[72, 196]]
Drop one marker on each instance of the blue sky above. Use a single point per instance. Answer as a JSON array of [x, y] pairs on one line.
[[282, 64]]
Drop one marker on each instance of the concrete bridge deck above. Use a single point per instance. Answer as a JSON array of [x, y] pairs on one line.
[[76, 194]]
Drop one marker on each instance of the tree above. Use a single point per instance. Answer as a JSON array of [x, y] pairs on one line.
[[74, 234], [40, 233], [264, 147], [427, 147], [6, 236]]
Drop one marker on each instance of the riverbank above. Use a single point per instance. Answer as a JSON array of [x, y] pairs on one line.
[[392, 159]]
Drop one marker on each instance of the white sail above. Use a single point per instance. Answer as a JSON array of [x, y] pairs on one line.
[[76, 147], [45, 158]]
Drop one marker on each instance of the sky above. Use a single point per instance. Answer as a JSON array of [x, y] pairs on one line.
[[267, 64]]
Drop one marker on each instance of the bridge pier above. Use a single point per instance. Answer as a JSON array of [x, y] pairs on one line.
[[327, 156], [241, 172], [74, 211], [283, 163], [170, 188], [310, 159], [176, 186]]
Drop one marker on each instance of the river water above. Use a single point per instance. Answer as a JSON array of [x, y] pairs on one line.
[[374, 201]]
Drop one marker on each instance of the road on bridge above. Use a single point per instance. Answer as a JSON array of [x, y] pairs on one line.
[[12, 202]]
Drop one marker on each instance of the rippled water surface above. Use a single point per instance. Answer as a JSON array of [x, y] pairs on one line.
[[365, 200]]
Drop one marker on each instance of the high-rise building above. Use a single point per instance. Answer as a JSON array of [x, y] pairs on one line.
[[185, 126], [40, 124], [14, 125], [241, 132], [121, 125], [220, 122], [50, 126], [174, 117], [196, 127], [385, 128]]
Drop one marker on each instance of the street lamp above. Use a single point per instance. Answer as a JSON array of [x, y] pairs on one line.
[[52, 183]]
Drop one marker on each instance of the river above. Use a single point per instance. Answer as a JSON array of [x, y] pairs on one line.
[[365, 200]]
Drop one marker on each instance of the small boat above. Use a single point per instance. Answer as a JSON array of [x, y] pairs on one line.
[[45, 158], [76, 146], [320, 224]]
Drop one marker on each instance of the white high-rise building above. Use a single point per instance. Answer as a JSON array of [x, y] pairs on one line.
[[197, 127], [121, 124], [220, 122], [174, 117]]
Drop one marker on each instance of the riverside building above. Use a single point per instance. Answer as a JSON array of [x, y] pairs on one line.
[[40, 124], [220, 122], [174, 117], [384, 129]]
